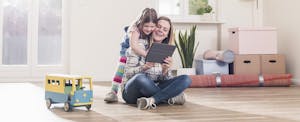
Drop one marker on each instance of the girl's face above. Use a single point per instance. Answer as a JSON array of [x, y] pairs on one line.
[[148, 28], [162, 31]]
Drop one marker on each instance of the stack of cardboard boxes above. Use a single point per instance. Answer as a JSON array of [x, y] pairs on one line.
[[256, 51]]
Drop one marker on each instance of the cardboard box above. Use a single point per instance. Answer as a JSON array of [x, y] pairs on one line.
[[273, 64], [211, 67], [245, 64], [253, 40]]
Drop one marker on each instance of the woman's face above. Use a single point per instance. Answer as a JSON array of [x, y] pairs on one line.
[[162, 31]]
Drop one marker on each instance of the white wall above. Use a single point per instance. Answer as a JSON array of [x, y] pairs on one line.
[[236, 13], [283, 16], [96, 31]]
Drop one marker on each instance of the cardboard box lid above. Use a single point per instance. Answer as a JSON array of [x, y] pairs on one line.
[[251, 29]]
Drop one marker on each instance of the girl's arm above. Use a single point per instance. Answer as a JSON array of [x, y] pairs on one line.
[[134, 63], [134, 35], [132, 66]]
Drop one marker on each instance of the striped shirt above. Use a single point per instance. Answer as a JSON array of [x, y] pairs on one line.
[[134, 65]]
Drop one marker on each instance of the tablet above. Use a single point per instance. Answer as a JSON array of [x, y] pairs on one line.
[[159, 51]]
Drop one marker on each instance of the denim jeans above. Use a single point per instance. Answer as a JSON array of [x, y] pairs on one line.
[[141, 86]]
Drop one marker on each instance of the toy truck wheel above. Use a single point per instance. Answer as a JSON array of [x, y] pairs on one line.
[[48, 103], [88, 107], [67, 107]]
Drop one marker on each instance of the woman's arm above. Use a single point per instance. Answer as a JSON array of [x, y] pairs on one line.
[[134, 35]]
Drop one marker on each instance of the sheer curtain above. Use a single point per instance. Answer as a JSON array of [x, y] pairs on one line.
[[15, 16], [49, 33], [15, 31]]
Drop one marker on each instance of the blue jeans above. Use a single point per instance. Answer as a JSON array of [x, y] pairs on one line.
[[141, 86]]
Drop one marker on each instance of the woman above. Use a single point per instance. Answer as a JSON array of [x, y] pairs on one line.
[[147, 84]]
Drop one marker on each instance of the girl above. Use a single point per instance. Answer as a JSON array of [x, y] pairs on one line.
[[140, 29]]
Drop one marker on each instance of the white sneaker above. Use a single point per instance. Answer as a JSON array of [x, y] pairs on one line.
[[111, 97], [145, 103], [179, 99]]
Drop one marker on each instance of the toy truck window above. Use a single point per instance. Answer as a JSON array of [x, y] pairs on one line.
[[86, 84], [49, 81], [77, 82], [53, 82], [57, 82], [68, 83]]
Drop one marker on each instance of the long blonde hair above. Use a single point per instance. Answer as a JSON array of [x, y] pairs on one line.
[[170, 38]]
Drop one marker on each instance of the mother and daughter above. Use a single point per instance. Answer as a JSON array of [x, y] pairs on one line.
[[146, 83]]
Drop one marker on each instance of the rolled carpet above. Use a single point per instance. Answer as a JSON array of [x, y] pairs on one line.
[[240, 80]]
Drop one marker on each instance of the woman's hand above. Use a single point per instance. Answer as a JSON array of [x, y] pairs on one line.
[[167, 64], [147, 66]]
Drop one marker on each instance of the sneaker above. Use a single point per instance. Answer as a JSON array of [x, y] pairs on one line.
[[145, 103], [111, 97], [179, 99]]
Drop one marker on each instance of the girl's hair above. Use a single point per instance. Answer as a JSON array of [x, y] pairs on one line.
[[148, 15], [170, 37]]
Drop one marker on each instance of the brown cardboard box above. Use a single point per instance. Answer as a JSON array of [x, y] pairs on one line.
[[246, 64], [273, 64]]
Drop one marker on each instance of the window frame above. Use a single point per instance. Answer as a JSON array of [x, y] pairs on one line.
[[32, 71], [184, 16]]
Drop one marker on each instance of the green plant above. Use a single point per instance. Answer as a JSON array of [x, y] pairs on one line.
[[208, 9], [186, 47], [205, 9]]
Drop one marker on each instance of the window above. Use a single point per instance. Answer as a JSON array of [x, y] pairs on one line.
[[33, 38], [188, 10], [86, 83], [53, 82], [77, 81], [15, 17], [170, 7], [49, 32], [16, 29], [57, 82], [68, 83]]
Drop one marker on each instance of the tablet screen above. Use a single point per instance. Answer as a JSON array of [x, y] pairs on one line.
[[159, 51]]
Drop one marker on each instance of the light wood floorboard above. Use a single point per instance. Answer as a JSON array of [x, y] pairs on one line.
[[25, 101]]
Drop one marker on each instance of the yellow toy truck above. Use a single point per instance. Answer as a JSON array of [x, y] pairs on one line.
[[70, 90]]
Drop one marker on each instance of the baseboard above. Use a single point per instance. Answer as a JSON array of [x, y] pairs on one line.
[[21, 80]]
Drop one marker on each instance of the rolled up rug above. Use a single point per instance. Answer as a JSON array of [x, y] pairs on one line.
[[240, 80], [277, 80], [203, 81]]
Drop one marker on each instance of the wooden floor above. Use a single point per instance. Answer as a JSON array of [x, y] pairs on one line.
[[25, 102]]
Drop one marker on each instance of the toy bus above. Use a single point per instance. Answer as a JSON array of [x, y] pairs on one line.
[[70, 90]]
